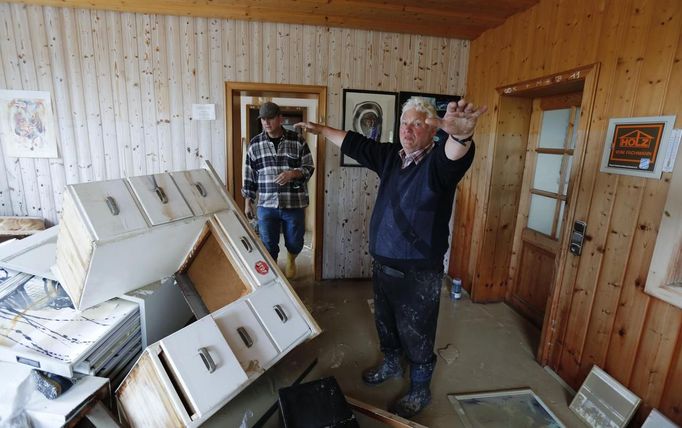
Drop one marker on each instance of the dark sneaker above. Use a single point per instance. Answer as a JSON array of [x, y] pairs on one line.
[[418, 397]]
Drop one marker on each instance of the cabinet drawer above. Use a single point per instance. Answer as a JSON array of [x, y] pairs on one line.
[[249, 253], [279, 315], [200, 191], [109, 208], [246, 337], [203, 365], [160, 198]]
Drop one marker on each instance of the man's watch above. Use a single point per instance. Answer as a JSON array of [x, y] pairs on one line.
[[463, 141]]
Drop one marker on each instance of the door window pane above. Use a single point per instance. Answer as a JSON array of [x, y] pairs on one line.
[[567, 176], [553, 129], [541, 213], [547, 172]]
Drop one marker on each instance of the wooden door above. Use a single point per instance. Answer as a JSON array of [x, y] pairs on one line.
[[546, 188]]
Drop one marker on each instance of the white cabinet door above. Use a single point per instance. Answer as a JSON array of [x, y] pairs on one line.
[[109, 208], [200, 191], [246, 337], [160, 198], [279, 315], [249, 253], [203, 364]]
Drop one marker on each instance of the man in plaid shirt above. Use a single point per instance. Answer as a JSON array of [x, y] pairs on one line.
[[278, 167]]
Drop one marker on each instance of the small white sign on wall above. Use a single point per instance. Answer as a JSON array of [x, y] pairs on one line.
[[203, 111]]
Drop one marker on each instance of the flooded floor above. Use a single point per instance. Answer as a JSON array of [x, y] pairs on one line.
[[480, 348]]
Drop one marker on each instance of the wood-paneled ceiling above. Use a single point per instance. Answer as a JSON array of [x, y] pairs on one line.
[[461, 19]]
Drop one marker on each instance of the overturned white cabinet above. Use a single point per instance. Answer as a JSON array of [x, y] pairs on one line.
[[248, 315], [118, 235]]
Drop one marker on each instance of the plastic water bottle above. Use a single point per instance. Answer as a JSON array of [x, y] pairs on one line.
[[456, 290]]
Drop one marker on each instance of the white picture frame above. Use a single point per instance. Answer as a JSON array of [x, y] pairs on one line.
[[27, 126], [637, 145]]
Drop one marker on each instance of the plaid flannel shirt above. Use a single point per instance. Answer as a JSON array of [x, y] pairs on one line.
[[263, 165]]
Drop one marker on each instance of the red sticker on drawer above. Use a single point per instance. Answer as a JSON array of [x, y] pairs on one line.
[[262, 267]]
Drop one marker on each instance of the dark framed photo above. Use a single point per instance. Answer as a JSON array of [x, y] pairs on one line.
[[439, 100], [370, 113]]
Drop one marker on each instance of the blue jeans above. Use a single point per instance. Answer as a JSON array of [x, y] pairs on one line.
[[291, 221]]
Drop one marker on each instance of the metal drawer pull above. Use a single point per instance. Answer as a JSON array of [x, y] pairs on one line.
[[280, 313], [207, 360], [246, 244], [245, 337], [201, 189], [113, 206], [161, 194]]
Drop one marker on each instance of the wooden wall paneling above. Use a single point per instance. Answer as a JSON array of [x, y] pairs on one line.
[[585, 187], [7, 204], [13, 81], [176, 98], [133, 80], [53, 179], [203, 58], [150, 145], [269, 64], [107, 118], [217, 154], [255, 51], [242, 72], [671, 400], [31, 49], [160, 67], [601, 212], [518, 129], [85, 52], [283, 59], [76, 95], [655, 354], [296, 57], [120, 96], [188, 43], [322, 56], [309, 52], [60, 96], [229, 47], [629, 319]]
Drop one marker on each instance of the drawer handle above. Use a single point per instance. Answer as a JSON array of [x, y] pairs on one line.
[[112, 205], [200, 189], [245, 337], [207, 360], [246, 244], [161, 194], [280, 313]]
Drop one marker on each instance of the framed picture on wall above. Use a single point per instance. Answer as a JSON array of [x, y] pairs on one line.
[[370, 113], [637, 145], [27, 124], [439, 100]]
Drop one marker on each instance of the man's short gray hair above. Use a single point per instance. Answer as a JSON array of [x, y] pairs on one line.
[[421, 104]]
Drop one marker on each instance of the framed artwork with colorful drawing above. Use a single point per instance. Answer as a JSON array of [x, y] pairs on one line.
[[27, 127]]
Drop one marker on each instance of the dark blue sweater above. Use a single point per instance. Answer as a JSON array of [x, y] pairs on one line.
[[409, 224]]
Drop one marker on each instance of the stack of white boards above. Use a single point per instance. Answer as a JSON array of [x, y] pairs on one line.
[[41, 329]]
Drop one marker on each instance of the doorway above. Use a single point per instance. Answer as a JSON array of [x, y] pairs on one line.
[[542, 206], [298, 101]]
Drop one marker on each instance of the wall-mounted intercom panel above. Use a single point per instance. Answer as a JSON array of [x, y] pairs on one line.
[[578, 237]]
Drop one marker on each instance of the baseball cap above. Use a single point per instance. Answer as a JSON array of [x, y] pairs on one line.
[[268, 110]]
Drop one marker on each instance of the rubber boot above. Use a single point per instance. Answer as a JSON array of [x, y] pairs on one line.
[[290, 268], [390, 367], [419, 394]]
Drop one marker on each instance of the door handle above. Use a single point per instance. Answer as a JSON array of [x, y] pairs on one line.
[[244, 335], [112, 205], [200, 188], [161, 195], [207, 359], [280, 313], [246, 244]]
